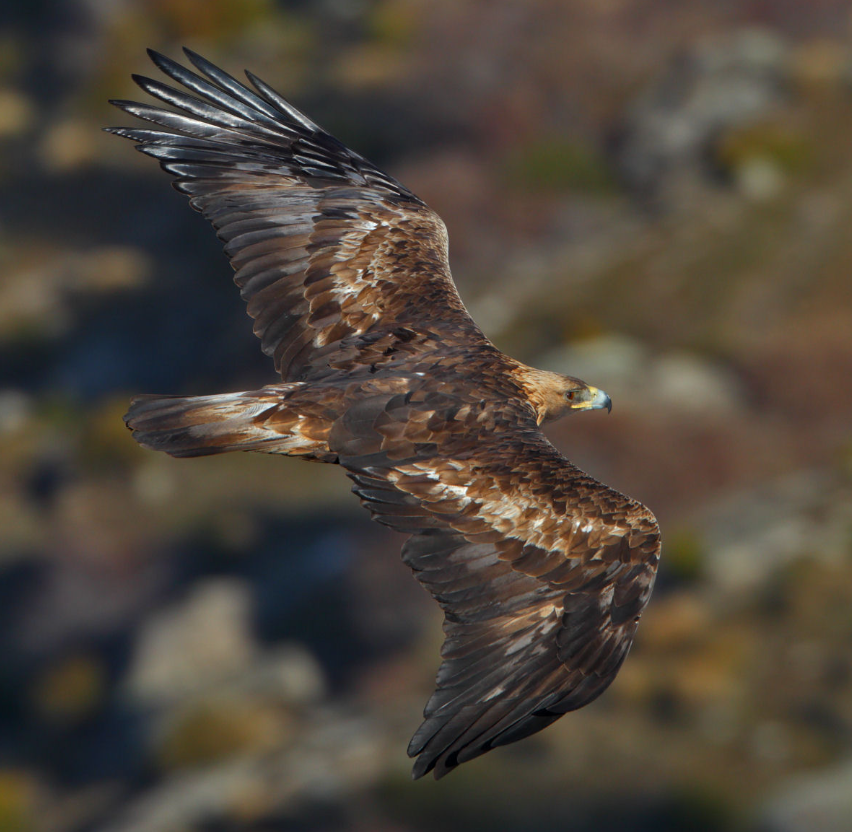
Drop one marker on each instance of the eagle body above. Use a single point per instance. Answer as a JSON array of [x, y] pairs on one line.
[[542, 572]]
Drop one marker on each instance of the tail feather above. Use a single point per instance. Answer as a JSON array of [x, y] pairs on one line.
[[202, 425]]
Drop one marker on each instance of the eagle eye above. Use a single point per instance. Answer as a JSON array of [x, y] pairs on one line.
[[571, 395]]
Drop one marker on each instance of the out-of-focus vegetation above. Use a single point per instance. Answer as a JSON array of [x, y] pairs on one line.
[[654, 197]]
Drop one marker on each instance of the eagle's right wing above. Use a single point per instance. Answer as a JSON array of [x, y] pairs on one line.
[[339, 263], [542, 571]]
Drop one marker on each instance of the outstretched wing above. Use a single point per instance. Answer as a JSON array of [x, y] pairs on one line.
[[336, 259], [542, 571]]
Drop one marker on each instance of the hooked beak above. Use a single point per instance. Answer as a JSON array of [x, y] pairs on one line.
[[592, 399]]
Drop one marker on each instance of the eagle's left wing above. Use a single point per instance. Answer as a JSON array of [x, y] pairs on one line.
[[542, 571], [341, 266]]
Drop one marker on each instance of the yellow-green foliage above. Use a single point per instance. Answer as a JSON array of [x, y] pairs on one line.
[[17, 796], [683, 554], [393, 22], [72, 689], [699, 808], [778, 142], [559, 164], [212, 731], [209, 18], [105, 441]]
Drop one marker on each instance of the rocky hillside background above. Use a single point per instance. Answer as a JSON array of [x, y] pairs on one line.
[[656, 197]]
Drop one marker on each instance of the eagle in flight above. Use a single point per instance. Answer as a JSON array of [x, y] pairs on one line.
[[542, 572]]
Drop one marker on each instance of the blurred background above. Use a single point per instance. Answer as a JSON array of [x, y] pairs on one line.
[[653, 196]]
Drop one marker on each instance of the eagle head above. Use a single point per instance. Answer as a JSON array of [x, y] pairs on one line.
[[554, 395]]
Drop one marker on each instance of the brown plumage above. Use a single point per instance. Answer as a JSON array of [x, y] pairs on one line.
[[542, 572]]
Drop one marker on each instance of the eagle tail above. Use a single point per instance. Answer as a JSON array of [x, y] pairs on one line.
[[188, 426]]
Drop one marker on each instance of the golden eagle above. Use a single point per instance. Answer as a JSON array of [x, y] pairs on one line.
[[542, 572]]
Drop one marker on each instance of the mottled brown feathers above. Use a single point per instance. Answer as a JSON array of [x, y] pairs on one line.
[[542, 572]]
